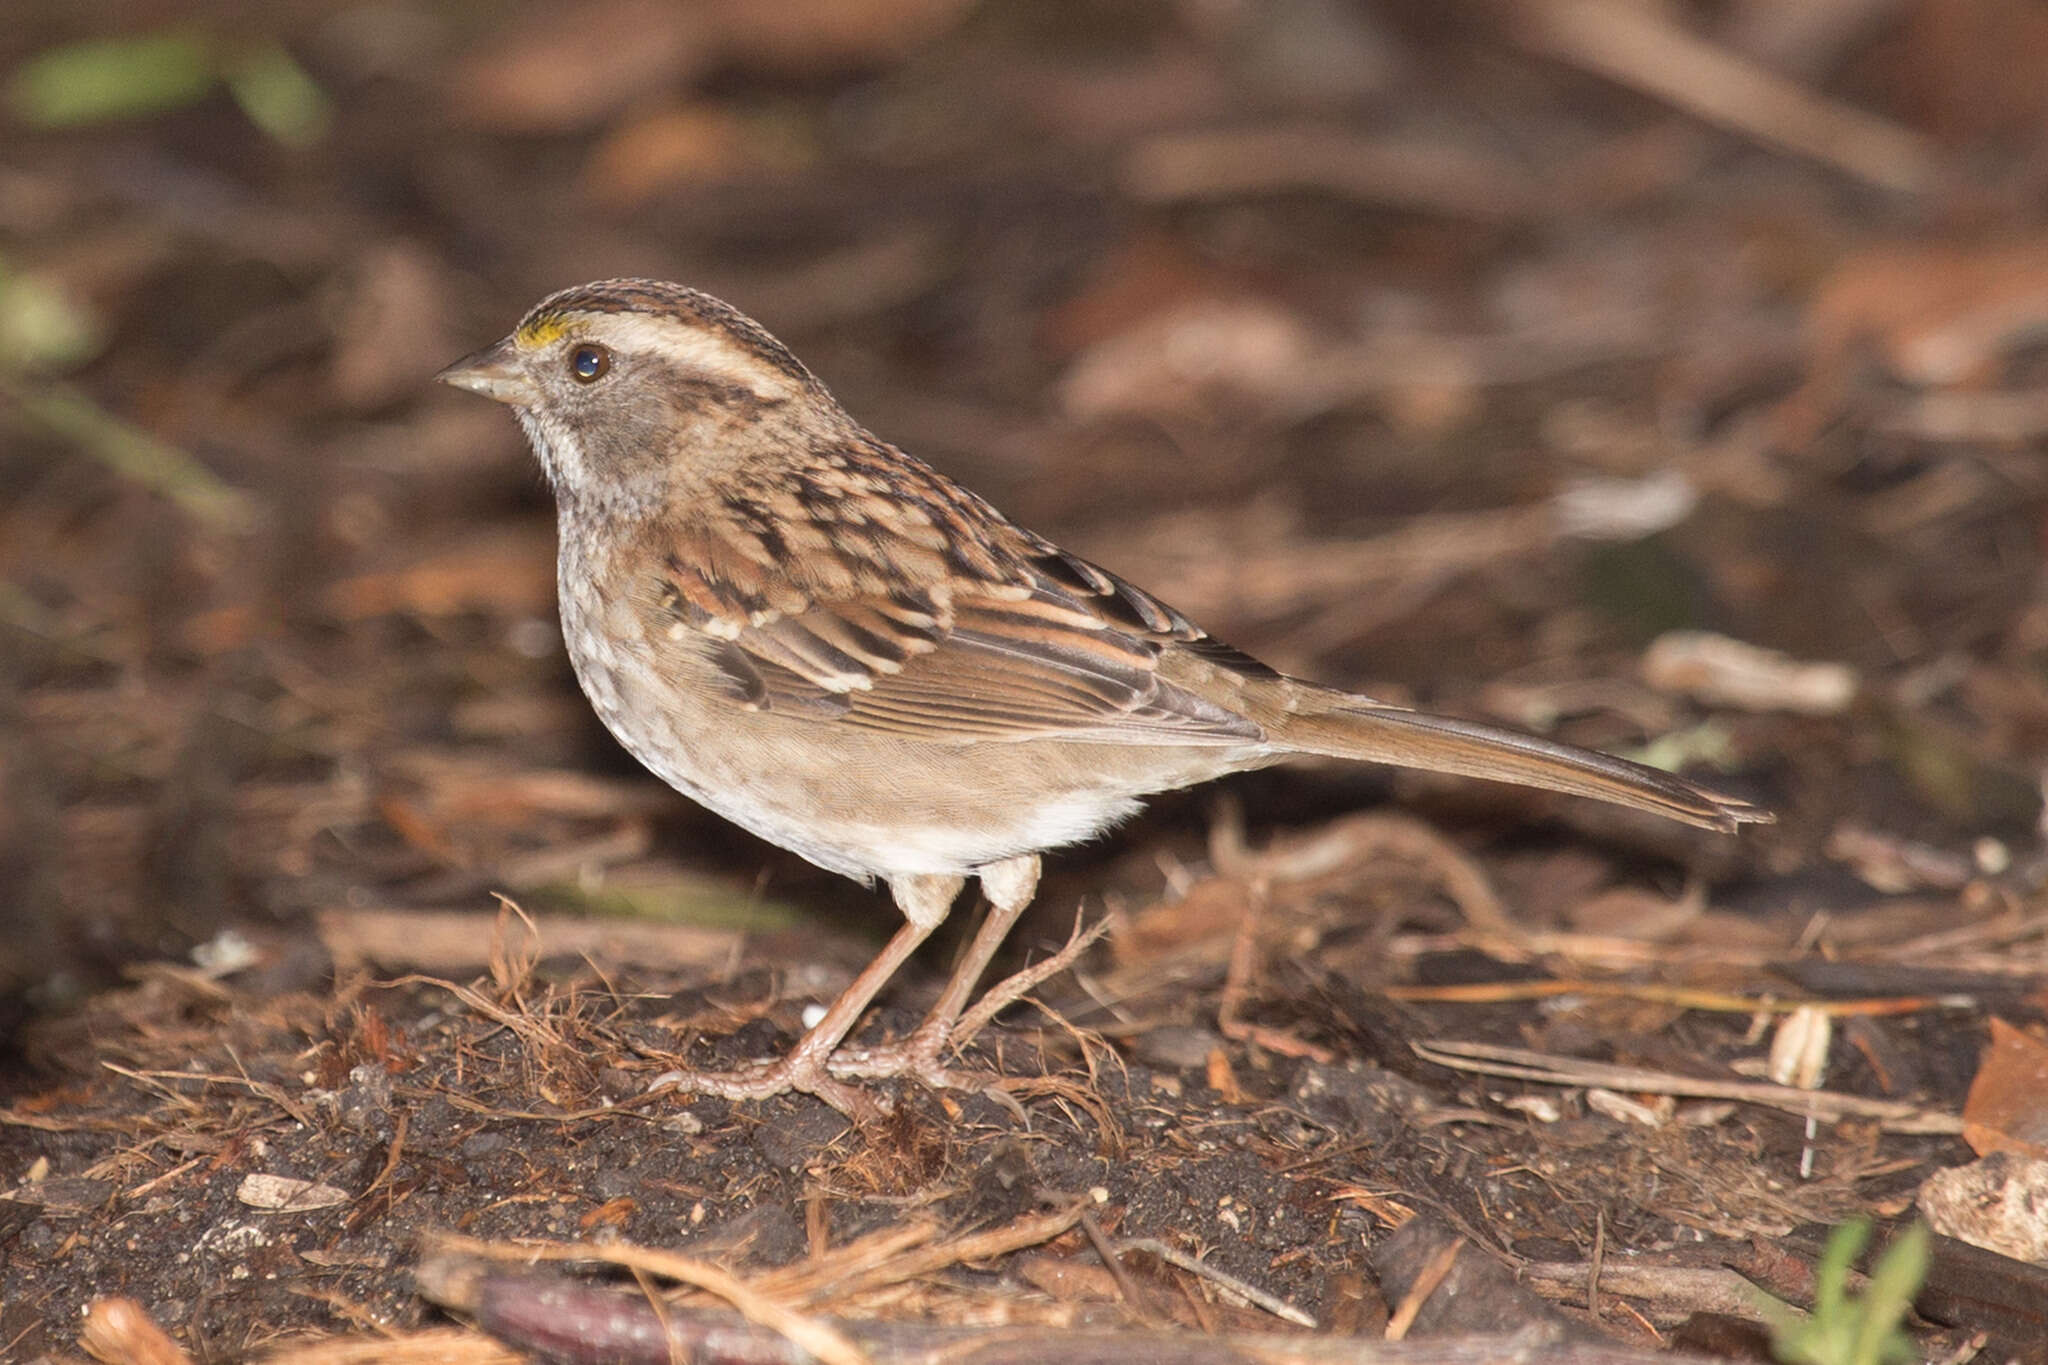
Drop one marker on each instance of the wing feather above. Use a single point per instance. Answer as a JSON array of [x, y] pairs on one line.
[[898, 630]]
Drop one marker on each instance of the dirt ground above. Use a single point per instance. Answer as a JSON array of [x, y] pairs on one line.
[[1665, 379]]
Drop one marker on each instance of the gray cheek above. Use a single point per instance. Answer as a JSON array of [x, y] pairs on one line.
[[606, 447]]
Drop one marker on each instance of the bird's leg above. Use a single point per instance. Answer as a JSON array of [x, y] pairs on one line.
[[924, 901], [1016, 986], [1010, 885]]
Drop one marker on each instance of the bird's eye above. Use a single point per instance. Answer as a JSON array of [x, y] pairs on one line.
[[588, 364]]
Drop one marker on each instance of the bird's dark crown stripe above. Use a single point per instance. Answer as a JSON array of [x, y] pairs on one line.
[[551, 316]]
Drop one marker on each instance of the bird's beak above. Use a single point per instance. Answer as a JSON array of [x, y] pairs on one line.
[[494, 372]]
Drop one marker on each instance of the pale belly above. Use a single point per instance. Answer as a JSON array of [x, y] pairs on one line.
[[858, 802]]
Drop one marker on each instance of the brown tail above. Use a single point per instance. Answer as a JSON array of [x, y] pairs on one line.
[[1352, 727]]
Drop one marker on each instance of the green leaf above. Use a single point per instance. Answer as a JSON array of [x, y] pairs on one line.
[[278, 96], [42, 330], [112, 78], [1711, 743], [1837, 1260], [1894, 1281], [1860, 1330]]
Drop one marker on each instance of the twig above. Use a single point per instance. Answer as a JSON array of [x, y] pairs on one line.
[[261, 1089], [1432, 1277], [132, 452], [1236, 985], [1681, 997], [121, 1332], [450, 941], [1521, 1064], [569, 1320], [1433, 177], [391, 1156], [811, 1282], [1668, 1290], [1949, 415], [1115, 1266], [1279, 1308], [1598, 1263], [827, 1343], [1636, 46], [1028, 1231], [438, 1346]]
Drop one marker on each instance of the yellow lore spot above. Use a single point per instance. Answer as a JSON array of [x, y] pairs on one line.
[[535, 333]]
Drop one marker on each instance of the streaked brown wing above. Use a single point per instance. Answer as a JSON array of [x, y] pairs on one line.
[[1053, 647]]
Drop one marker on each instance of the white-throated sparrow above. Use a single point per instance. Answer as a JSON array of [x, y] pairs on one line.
[[842, 650]]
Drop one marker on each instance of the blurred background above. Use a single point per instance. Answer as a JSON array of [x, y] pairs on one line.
[[1667, 376]]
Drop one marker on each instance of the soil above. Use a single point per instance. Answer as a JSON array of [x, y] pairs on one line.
[[1428, 357]]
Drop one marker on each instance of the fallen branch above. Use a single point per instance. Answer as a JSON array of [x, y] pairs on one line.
[[1895, 1116], [1636, 46], [569, 1319]]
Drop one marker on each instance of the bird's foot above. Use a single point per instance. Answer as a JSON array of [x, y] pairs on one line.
[[917, 1056], [813, 1069], [765, 1080]]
